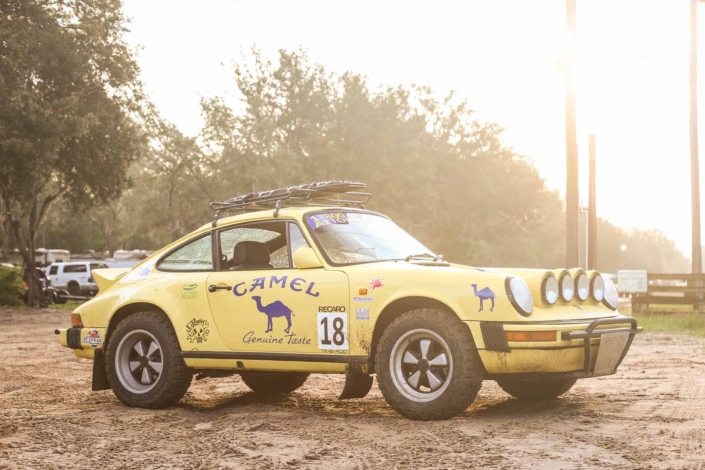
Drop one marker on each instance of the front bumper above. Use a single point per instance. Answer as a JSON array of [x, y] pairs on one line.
[[581, 349]]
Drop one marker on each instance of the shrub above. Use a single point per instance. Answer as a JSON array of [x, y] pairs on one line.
[[11, 286]]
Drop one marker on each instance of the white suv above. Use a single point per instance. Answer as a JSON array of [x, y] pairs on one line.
[[74, 277]]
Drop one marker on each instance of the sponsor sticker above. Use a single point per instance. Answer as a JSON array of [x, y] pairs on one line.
[[188, 292], [362, 299], [331, 308], [93, 338], [375, 284], [197, 331], [362, 313]]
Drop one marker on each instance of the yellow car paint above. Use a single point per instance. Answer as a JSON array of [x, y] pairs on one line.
[[319, 312]]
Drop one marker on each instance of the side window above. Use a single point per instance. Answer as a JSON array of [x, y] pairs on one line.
[[296, 239], [75, 268], [196, 256], [98, 266], [53, 270], [271, 235]]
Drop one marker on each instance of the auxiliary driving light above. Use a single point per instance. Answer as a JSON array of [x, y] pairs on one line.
[[567, 286], [550, 289], [597, 287], [611, 294], [582, 286]]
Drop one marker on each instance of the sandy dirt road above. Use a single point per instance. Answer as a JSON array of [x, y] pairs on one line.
[[650, 415]]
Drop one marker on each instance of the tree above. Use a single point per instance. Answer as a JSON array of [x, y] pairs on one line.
[[70, 94]]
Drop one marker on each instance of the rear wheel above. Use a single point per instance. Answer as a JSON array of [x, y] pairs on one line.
[[427, 365], [536, 389], [74, 288], [274, 382], [144, 365]]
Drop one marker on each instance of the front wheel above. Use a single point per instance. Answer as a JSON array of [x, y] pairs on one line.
[[427, 365], [274, 382], [536, 389], [144, 365]]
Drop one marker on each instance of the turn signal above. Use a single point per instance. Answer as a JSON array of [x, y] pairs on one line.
[[76, 320], [528, 336]]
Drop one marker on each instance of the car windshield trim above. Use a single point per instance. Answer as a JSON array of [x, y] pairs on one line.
[[322, 249]]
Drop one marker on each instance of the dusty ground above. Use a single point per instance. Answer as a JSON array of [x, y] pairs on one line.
[[650, 415]]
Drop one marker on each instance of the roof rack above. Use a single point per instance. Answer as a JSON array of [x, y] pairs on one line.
[[322, 193]]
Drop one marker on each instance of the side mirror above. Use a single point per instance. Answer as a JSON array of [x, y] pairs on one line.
[[305, 258]]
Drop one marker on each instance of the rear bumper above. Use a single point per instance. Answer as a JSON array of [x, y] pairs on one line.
[[83, 341], [581, 349]]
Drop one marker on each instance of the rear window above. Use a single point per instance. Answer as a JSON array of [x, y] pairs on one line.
[[98, 266], [75, 268]]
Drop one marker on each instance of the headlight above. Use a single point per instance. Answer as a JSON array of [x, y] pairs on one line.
[[567, 287], [597, 287], [582, 286], [519, 295], [611, 294], [549, 289]]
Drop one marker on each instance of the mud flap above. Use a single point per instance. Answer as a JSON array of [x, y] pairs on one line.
[[100, 376], [357, 385]]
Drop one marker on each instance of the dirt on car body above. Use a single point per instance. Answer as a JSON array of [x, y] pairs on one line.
[[651, 414]]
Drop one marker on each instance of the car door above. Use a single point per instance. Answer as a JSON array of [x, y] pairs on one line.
[[277, 308]]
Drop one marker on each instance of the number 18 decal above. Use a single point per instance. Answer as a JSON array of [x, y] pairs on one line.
[[333, 331]]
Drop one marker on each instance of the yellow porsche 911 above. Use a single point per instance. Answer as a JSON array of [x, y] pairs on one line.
[[306, 280]]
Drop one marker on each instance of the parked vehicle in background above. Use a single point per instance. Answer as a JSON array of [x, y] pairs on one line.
[[45, 257], [75, 277], [50, 293]]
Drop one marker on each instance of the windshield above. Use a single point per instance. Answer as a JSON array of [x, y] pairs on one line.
[[354, 237]]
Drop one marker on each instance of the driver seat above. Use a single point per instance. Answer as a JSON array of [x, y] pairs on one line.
[[250, 255]]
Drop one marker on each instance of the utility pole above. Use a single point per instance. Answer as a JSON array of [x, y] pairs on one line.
[[571, 143], [592, 211], [697, 266]]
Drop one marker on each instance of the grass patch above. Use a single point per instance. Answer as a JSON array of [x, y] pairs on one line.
[[691, 323], [69, 305]]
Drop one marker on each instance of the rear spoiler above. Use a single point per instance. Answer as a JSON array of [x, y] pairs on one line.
[[107, 277]]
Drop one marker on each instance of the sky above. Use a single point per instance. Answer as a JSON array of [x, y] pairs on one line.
[[630, 69]]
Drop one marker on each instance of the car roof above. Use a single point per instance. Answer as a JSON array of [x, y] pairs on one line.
[[294, 212]]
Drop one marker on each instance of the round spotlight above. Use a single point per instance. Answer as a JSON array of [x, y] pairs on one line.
[[597, 287], [582, 286], [567, 287], [611, 294], [550, 289]]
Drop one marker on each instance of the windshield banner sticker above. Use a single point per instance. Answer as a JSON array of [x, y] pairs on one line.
[[332, 218]]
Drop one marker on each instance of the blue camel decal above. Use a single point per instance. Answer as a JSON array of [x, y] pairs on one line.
[[484, 294], [273, 310]]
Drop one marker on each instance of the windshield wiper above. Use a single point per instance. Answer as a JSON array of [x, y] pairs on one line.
[[422, 255]]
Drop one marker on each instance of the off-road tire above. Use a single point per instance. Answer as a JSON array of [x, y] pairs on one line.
[[536, 389], [274, 382], [467, 368], [175, 377]]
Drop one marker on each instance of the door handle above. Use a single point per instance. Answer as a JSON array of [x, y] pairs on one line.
[[213, 288]]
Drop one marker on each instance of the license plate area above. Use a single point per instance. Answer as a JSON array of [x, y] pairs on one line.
[[610, 352]]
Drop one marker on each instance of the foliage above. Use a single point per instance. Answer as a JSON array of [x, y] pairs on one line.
[[70, 93], [438, 171], [11, 286]]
